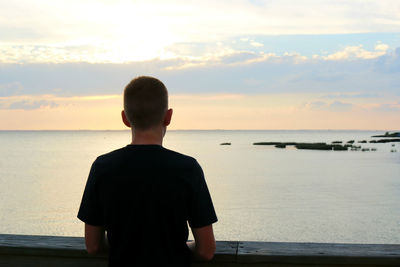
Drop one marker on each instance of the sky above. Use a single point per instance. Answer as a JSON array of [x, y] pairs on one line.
[[287, 64]]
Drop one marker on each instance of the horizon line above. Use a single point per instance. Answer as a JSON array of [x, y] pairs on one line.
[[174, 130]]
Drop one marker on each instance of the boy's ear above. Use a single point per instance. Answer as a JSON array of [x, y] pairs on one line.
[[167, 117], [125, 119]]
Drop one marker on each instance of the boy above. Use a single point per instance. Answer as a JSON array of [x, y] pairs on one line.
[[143, 195]]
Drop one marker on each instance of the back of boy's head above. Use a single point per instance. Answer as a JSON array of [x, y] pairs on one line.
[[145, 102]]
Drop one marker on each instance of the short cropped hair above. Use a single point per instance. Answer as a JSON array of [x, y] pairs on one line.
[[145, 102]]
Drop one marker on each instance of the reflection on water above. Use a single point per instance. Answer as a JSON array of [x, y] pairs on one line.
[[259, 192]]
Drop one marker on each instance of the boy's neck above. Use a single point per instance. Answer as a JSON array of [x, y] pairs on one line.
[[148, 137]]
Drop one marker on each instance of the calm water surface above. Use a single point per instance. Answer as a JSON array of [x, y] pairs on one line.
[[260, 193]]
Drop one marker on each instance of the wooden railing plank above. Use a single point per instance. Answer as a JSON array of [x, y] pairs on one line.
[[28, 250], [321, 253]]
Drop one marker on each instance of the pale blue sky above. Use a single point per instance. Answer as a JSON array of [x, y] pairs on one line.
[[319, 44]]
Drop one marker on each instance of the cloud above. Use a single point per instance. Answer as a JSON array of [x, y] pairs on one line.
[[241, 58], [50, 101], [200, 53], [251, 42], [356, 52], [119, 31], [201, 111], [388, 107], [20, 33], [60, 54], [245, 72], [353, 95], [336, 106], [389, 63], [381, 47], [71, 19], [26, 104], [256, 44], [316, 105], [11, 88]]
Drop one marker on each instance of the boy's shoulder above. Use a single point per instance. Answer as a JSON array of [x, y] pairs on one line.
[[154, 151], [178, 155], [147, 160], [110, 156]]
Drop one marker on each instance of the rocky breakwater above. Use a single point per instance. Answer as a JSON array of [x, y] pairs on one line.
[[387, 134], [321, 146], [392, 140], [339, 145], [311, 146]]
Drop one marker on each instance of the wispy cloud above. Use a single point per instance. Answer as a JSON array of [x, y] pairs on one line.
[[256, 44], [336, 106], [237, 72], [49, 101], [339, 106], [11, 88], [389, 63], [356, 52], [353, 95], [388, 107], [189, 54], [203, 111], [26, 104]]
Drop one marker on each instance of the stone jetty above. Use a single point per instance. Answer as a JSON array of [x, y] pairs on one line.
[[387, 134]]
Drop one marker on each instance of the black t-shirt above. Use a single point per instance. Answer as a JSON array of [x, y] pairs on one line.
[[144, 196]]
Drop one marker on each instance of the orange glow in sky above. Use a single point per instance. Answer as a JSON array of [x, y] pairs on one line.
[[218, 111]]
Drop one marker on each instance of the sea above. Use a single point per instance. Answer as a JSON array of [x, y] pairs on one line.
[[260, 193]]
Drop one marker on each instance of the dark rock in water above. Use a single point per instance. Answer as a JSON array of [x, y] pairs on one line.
[[314, 146], [388, 140], [225, 144], [290, 143], [362, 142], [387, 134], [348, 145], [280, 146], [336, 142], [274, 143], [350, 142], [267, 143], [339, 148], [373, 141], [365, 149], [321, 146]]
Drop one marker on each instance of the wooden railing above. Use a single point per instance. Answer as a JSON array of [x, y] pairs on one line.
[[48, 251]]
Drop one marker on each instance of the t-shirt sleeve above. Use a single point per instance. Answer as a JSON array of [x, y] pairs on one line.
[[202, 211], [90, 209]]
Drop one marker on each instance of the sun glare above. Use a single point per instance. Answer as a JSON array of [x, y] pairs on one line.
[[135, 33]]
